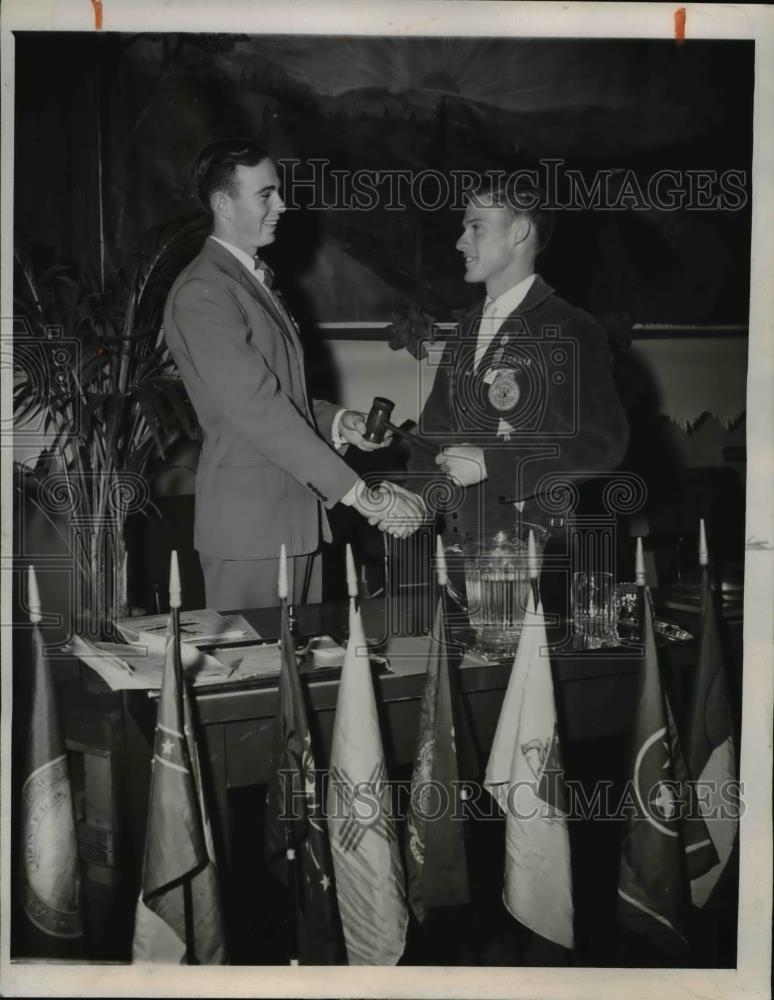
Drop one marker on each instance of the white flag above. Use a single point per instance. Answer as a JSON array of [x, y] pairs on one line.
[[369, 872], [524, 776]]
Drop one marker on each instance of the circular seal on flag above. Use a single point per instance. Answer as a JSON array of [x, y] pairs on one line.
[[656, 797], [50, 878], [504, 393]]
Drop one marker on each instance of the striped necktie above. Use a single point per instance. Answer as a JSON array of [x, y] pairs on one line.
[[263, 272]]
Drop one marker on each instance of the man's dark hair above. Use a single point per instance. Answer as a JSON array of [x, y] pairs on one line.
[[521, 197], [215, 166]]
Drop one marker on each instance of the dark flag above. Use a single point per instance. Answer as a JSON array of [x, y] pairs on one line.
[[711, 750], [653, 881], [436, 859], [49, 872], [294, 818], [179, 905]]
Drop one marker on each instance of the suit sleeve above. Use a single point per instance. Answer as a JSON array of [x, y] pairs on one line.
[[586, 410], [215, 350], [324, 412], [435, 428]]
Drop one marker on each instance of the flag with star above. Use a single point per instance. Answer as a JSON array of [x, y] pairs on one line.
[[436, 859], [524, 774], [653, 895], [179, 901], [294, 818], [369, 874]]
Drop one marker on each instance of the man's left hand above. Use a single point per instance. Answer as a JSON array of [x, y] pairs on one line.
[[463, 463], [352, 428]]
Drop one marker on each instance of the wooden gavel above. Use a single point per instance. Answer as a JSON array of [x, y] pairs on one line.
[[378, 423]]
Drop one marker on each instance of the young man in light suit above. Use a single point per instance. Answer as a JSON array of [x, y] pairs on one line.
[[269, 464]]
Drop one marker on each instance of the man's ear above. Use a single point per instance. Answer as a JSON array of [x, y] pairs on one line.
[[520, 230], [220, 204]]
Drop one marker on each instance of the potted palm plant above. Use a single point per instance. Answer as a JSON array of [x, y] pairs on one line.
[[93, 372]]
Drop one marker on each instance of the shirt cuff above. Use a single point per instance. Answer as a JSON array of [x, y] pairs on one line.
[[336, 437]]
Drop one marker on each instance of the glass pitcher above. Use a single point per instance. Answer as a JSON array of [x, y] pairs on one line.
[[497, 583]]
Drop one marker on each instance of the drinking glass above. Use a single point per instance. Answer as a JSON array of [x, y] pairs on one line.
[[594, 609]]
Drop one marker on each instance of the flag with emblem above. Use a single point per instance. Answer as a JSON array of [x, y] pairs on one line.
[[178, 916], [294, 819], [369, 873], [524, 774], [653, 878], [51, 924], [710, 747], [436, 859]]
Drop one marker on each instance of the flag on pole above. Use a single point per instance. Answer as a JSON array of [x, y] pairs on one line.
[[179, 856], [294, 817], [710, 746], [369, 874], [653, 880], [436, 859], [525, 776], [49, 871]]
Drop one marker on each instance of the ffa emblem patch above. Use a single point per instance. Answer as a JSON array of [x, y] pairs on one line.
[[504, 392]]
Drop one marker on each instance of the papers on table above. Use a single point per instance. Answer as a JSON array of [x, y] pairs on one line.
[[258, 660], [124, 667], [197, 628]]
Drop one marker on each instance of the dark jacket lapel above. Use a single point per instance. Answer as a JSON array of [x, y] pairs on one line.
[[538, 292]]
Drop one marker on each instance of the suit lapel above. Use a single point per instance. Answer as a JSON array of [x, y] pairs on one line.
[[271, 304], [256, 288]]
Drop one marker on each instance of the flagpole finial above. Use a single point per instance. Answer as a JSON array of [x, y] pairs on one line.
[[33, 597], [639, 564], [703, 550], [352, 587], [440, 562], [175, 590], [532, 559], [282, 574]]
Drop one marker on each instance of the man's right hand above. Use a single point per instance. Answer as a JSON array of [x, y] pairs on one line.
[[390, 507]]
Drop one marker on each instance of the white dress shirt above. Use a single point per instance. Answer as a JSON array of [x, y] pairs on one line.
[[496, 311]]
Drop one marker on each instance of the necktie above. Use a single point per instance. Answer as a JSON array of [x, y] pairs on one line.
[[263, 272], [485, 333]]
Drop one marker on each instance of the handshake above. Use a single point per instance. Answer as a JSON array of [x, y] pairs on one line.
[[393, 509]]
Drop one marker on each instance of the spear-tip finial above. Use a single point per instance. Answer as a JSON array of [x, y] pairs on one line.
[[703, 550], [175, 590], [532, 558], [352, 587], [282, 574], [440, 563], [33, 597], [639, 564]]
